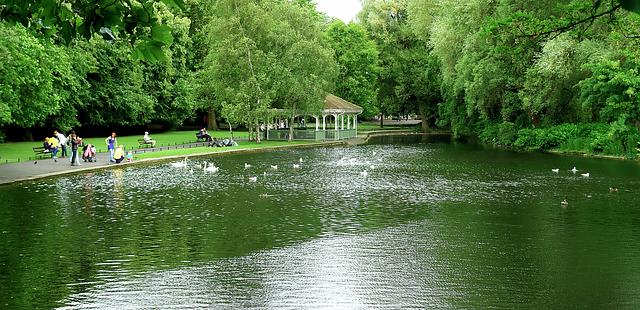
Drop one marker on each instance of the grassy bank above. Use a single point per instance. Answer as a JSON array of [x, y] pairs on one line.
[[209, 150], [11, 152]]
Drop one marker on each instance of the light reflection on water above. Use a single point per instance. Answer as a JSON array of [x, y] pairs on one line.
[[432, 225]]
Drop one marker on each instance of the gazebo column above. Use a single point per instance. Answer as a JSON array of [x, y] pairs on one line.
[[335, 117], [341, 121], [317, 122], [348, 121], [355, 123], [324, 122]]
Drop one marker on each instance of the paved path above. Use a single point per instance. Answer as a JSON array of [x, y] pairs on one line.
[[47, 167]]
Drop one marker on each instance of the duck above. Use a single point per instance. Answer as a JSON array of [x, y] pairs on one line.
[[375, 153], [556, 170], [564, 202], [296, 166], [586, 175], [574, 170], [613, 189], [247, 166], [253, 179], [274, 167], [372, 167], [210, 168], [265, 195], [300, 160], [264, 174], [379, 159], [364, 173]]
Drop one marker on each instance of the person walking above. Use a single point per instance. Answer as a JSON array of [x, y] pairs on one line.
[[112, 143], [62, 141], [75, 142]]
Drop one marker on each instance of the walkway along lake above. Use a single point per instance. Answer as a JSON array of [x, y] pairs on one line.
[[434, 224]]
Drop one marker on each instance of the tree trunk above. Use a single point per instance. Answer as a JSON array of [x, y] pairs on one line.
[[250, 132], [212, 124], [381, 120], [230, 130], [425, 123], [293, 116], [258, 132]]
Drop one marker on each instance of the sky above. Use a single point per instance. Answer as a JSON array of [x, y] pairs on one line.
[[345, 10]]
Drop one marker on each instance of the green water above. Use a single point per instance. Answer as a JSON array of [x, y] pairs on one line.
[[433, 225]]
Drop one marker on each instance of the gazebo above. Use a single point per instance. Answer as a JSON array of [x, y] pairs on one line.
[[337, 120]]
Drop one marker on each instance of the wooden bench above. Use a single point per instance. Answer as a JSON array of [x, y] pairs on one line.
[[39, 151], [142, 143]]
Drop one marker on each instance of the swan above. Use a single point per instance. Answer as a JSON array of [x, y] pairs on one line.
[[375, 153], [274, 167], [555, 170], [380, 159], [210, 168], [372, 167], [179, 164], [300, 160], [253, 179], [296, 166], [247, 166], [364, 173], [264, 174], [586, 175], [574, 170]]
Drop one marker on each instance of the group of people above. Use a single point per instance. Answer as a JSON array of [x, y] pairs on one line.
[[203, 134], [60, 143], [116, 152], [222, 142]]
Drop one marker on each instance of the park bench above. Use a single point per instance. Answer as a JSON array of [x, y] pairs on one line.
[[142, 143], [40, 152]]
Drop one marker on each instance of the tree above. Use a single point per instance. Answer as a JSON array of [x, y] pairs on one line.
[[357, 58], [264, 55]]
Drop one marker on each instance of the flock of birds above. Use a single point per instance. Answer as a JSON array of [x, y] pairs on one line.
[[208, 167], [564, 202]]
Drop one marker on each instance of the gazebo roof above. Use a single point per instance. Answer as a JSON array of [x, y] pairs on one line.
[[335, 104]]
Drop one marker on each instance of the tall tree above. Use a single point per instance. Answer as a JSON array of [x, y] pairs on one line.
[[357, 58]]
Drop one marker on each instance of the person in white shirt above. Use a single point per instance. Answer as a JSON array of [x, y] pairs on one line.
[[148, 139], [62, 141]]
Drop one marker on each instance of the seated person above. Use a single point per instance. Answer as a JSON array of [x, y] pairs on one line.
[[203, 134], [148, 139], [118, 154], [89, 153], [46, 145], [53, 147]]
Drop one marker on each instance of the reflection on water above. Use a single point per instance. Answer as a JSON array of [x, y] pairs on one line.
[[432, 224]]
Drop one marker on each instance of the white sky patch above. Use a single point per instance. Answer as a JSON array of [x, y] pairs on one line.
[[346, 10]]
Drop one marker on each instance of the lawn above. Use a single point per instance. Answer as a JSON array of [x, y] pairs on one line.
[[20, 151], [204, 150]]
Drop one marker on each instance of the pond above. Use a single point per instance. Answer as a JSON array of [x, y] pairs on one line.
[[433, 224]]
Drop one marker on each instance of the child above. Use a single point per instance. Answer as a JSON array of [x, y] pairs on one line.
[[129, 156]]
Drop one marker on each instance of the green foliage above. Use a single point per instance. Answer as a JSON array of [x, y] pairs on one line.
[[357, 57]]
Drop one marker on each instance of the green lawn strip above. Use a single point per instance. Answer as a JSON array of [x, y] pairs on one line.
[[11, 152], [205, 150]]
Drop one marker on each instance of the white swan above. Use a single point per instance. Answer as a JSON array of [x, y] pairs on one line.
[[300, 160], [179, 164], [364, 173], [586, 175], [210, 168], [247, 166], [274, 167], [296, 166], [555, 170], [380, 159], [574, 170], [372, 167], [253, 179]]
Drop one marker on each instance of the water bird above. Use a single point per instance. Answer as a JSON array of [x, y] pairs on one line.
[[264, 174], [555, 170], [380, 159], [574, 170], [210, 167], [586, 175], [253, 179], [265, 195], [375, 153], [274, 167], [364, 173], [372, 167], [564, 202], [179, 164], [296, 166], [247, 166], [613, 189], [300, 160]]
